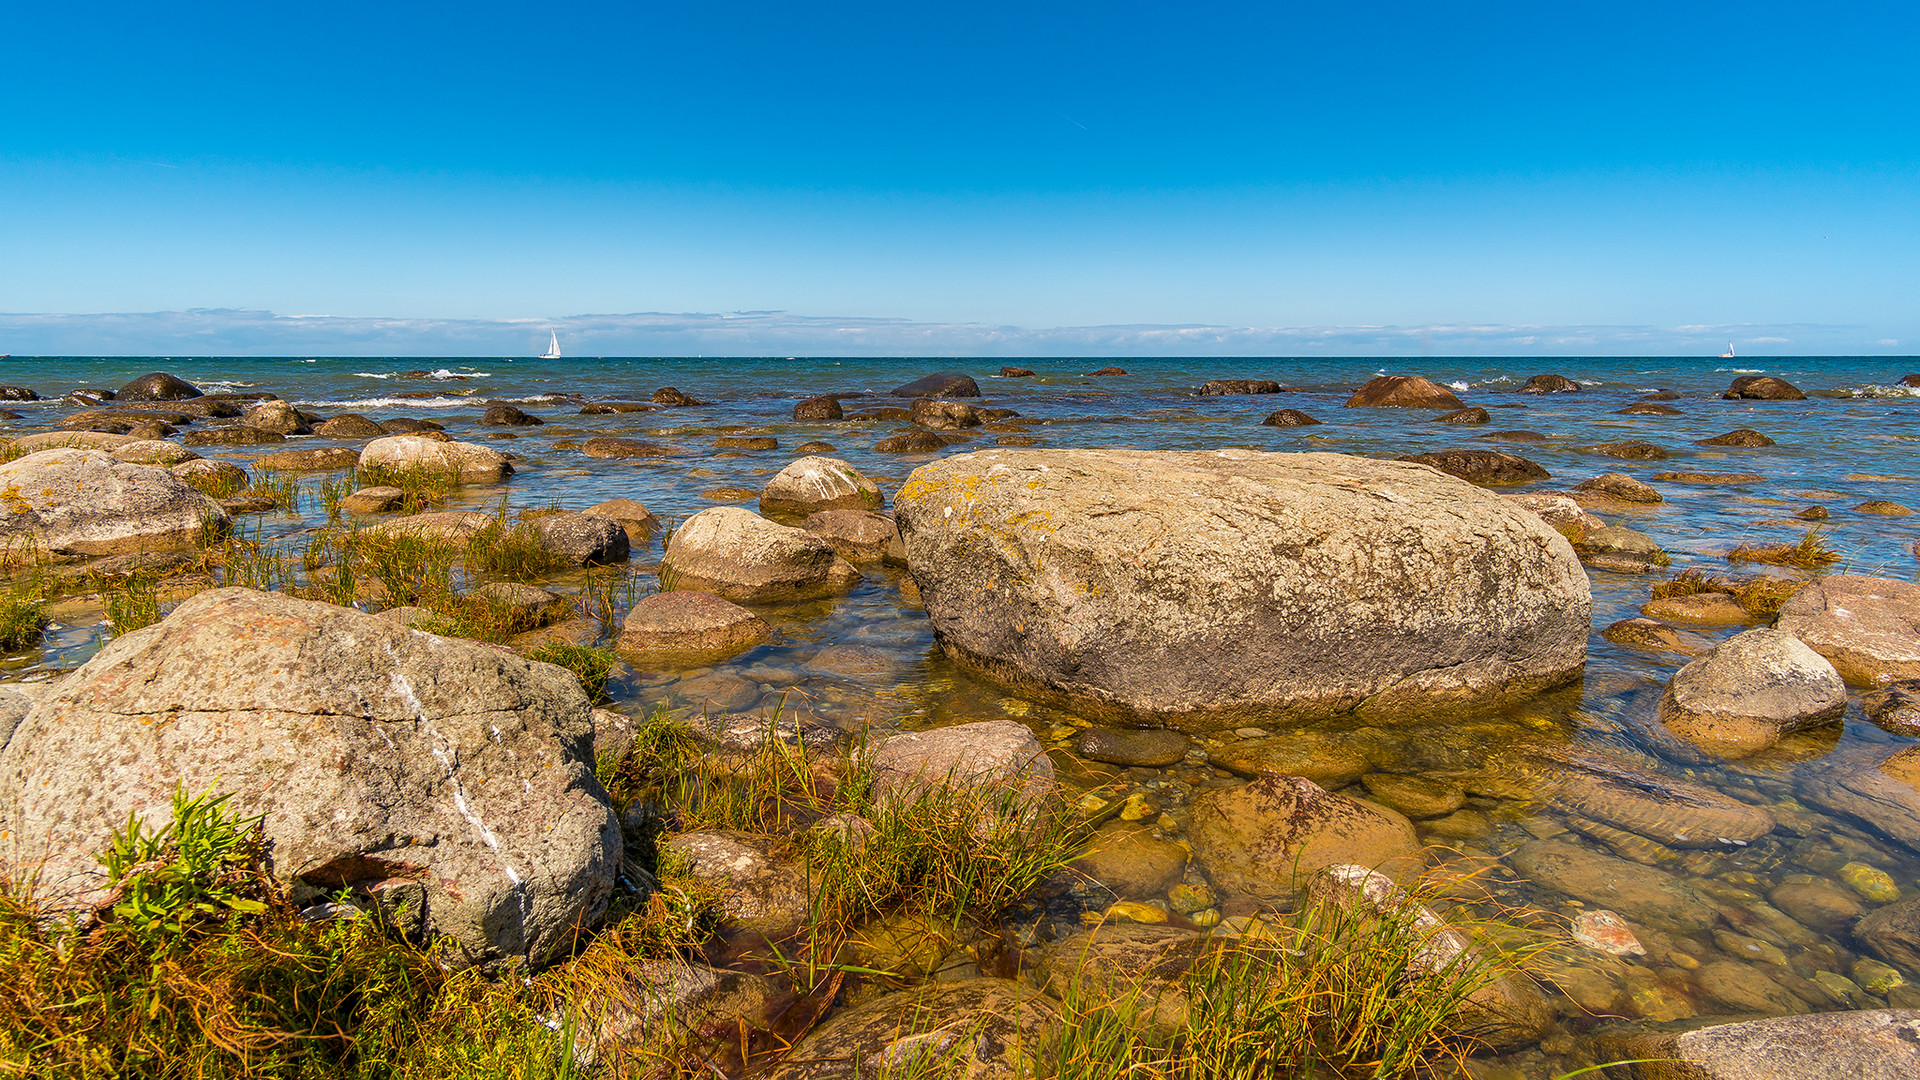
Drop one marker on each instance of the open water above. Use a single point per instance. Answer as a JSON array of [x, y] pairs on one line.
[[1856, 438]]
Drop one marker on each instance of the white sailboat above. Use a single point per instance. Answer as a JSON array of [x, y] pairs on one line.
[[553, 347], [1728, 355]]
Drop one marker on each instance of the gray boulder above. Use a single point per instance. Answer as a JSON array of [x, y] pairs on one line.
[[316, 459], [448, 780], [465, 463], [1869, 627], [992, 757], [811, 484], [84, 502], [1754, 688], [1219, 589], [741, 556], [581, 539]]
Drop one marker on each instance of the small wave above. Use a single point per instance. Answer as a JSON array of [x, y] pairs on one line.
[[1874, 390], [445, 401], [437, 373], [1591, 382], [1460, 384], [221, 386], [372, 375], [1741, 370]]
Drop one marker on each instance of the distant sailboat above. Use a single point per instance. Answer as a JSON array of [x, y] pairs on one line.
[[1728, 355], [553, 347]]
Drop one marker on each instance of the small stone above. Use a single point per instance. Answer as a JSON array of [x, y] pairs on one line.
[[1185, 899], [1874, 884], [1415, 796], [1137, 807], [1741, 947], [1685, 961], [1123, 746], [1206, 918], [1607, 932], [1876, 976], [1651, 1001], [1128, 911]]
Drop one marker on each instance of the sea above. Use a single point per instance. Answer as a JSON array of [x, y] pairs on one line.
[[1855, 439]]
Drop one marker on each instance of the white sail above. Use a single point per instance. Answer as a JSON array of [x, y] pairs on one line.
[[553, 346], [1728, 355]]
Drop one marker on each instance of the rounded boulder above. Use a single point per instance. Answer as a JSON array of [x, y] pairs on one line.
[[1221, 589]]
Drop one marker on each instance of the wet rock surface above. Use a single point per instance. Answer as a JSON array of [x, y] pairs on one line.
[[1490, 467], [1868, 627], [1403, 391], [1289, 418], [465, 463], [946, 384], [811, 484], [1747, 693], [1257, 840], [741, 556], [690, 622]]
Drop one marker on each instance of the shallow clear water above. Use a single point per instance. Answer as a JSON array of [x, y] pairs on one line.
[[1856, 438]]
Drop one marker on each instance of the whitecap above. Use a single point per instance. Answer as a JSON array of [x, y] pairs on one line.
[[372, 375], [1459, 384], [1741, 370]]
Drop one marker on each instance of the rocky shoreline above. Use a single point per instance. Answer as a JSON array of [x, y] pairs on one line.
[[1236, 691]]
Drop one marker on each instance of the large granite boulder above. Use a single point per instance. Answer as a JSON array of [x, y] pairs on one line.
[[449, 781], [1259, 840], [858, 535], [1752, 689], [1869, 627], [1217, 589], [466, 463], [86, 502], [810, 484], [1404, 391], [741, 556]]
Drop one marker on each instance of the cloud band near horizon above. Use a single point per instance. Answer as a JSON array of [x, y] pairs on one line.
[[239, 332]]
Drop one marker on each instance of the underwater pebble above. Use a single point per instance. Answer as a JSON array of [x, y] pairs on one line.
[[1874, 884], [1185, 899], [1876, 976], [1607, 932]]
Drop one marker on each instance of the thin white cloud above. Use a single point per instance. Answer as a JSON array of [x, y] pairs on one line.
[[237, 332]]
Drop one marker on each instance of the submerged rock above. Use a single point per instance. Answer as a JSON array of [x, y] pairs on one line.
[[1489, 467], [1260, 839], [1632, 451], [821, 407], [1648, 408], [1404, 391], [1676, 813], [1640, 893], [674, 399], [1475, 415], [1754, 688], [625, 448], [1620, 487], [1132, 747], [1126, 859], [1867, 784], [741, 556], [85, 502], [982, 1029], [1265, 597], [811, 484], [1317, 756], [509, 416], [911, 442], [1892, 933], [1878, 1044], [1114, 961], [1016, 373], [946, 384], [1224, 387], [1289, 418], [1895, 707], [465, 463], [1740, 437], [1868, 627], [447, 780]]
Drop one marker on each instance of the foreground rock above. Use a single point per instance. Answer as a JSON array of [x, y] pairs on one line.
[[1741, 698], [812, 484], [1489, 467], [1869, 627], [448, 781], [1877, 1044], [1404, 391], [995, 759], [982, 1029], [1263, 597], [1259, 840], [1763, 388], [690, 622], [465, 463], [85, 502], [741, 556]]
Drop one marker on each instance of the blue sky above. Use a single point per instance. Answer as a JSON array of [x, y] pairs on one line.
[[1387, 177]]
